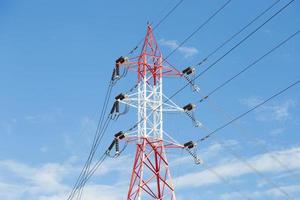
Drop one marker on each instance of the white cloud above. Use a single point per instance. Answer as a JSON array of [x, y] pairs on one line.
[[279, 112], [292, 190], [210, 152], [8, 126], [277, 131], [217, 148], [32, 182], [46, 117], [48, 181], [251, 102], [44, 149], [88, 124], [11, 191], [173, 44], [264, 163], [106, 192]]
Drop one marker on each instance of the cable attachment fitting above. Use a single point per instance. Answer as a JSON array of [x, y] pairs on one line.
[[115, 110], [116, 143], [191, 148], [120, 97], [110, 147], [188, 109], [188, 70], [189, 145], [189, 75], [120, 135], [116, 75]]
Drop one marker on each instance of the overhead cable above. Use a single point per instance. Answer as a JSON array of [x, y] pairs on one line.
[[157, 25], [249, 66], [237, 33], [214, 63], [248, 111], [234, 47]]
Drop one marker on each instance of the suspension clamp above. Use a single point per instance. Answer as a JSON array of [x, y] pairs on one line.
[[120, 96], [121, 60], [189, 145], [188, 70], [120, 135], [189, 107], [190, 148]]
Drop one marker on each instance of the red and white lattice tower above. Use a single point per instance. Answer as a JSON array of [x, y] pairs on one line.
[[151, 178]]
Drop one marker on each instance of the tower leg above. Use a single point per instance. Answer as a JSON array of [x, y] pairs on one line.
[[150, 175]]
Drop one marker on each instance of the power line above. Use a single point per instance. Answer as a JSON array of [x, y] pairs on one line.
[[168, 14], [96, 141], [265, 149], [89, 175], [183, 42], [277, 187], [247, 112], [249, 165], [101, 132], [245, 162], [226, 181], [197, 29], [235, 46], [90, 171], [158, 24], [229, 51], [285, 167], [192, 34], [249, 66], [239, 43], [83, 171], [84, 175], [254, 169], [238, 32], [86, 169]]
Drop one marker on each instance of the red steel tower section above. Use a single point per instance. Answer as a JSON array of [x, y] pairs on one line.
[[151, 178]]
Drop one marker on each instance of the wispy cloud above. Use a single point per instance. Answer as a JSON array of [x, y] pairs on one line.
[[263, 163], [212, 151], [173, 44], [8, 126], [10, 191], [277, 131], [262, 194], [46, 117], [48, 181], [279, 112]]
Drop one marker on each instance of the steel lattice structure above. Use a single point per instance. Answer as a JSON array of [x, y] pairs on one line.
[[151, 178]]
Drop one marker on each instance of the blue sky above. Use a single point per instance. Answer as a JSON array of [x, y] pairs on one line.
[[56, 60]]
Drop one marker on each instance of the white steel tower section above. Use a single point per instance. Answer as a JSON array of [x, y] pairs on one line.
[[151, 178], [150, 106]]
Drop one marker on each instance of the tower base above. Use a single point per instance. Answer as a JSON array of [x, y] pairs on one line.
[[150, 175]]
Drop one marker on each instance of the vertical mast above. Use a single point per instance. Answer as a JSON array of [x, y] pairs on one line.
[[150, 89], [151, 178]]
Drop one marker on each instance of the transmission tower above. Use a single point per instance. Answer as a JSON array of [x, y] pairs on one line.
[[151, 178]]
